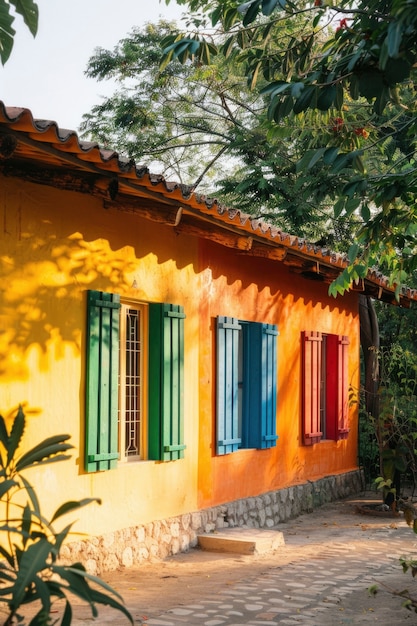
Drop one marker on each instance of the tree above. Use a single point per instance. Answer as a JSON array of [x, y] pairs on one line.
[[207, 128], [29, 12], [366, 64]]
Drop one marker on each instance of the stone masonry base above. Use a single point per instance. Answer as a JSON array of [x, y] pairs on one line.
[[162, 538]]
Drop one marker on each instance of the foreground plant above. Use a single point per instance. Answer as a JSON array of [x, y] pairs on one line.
[[30, 545]]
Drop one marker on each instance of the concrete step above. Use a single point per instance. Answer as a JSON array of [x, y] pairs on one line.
[[242, 540]]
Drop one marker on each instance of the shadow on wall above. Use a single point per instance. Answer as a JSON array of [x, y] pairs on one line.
[[56, 245]]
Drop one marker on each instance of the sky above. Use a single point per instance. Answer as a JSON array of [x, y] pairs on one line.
[[46, 74]]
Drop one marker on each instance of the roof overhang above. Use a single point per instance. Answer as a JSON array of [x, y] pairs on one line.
[[41, 152]]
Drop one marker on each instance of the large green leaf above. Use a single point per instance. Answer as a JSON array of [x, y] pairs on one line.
[[30, 13], [34, 560]]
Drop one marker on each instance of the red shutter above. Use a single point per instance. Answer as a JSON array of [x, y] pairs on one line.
[[311, 364], [343, 388]]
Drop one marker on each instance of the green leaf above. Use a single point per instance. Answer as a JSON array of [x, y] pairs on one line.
[[60, 538], [326, 98], [361, 270], [15, 434], [26, 523], [365, 212], [303, 102], [303, 163], [316, 157], [268, 6], [47, 448], [339, 206], [353, 252], [67, 616], [251, 13], [394, 37], [7, 33], [255, 75], [297, 89], [44, 595], [77, 578], [358, 164], [6, 485], [30, 13], [396, 71], [32, 495], [10, 559], [354, 87], [4, 435], [330, 154], [383, 55], [371, 83], [34, 560], [342, 160], [340, 95], [276, 87], [73, 505]]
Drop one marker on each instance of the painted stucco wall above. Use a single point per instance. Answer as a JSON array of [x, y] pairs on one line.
[[56, 245], [270, 293]]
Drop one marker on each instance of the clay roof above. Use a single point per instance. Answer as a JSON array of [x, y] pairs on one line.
[[41, 151]]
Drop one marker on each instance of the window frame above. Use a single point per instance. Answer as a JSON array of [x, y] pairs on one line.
[[142, 439]]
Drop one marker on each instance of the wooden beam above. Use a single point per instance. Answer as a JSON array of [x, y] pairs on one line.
[[191, 225], [102, 187]]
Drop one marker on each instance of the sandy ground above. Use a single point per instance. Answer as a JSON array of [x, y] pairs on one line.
[[153, 589]]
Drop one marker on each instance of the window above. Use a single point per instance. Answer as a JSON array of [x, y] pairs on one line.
[[246, 385], [134, 381], [325, 386]]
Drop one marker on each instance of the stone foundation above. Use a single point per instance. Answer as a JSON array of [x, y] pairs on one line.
[[162, 538]]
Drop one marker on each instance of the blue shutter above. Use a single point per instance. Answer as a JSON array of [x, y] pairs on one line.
[[227, 426], [166, 382], [102, 371], [260, 369]]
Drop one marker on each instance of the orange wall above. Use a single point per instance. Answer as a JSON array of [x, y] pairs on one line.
[[269, 293]]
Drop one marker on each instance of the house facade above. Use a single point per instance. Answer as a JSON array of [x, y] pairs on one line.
[[195, 357]]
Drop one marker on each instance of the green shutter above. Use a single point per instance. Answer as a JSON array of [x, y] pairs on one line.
[[166, 382], [102, 371], [260, 367], [227, 422]]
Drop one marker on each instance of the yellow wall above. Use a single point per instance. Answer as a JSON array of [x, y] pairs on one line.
[[56, 245]]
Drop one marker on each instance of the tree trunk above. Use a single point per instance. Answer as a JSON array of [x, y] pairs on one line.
[[369, 334]]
